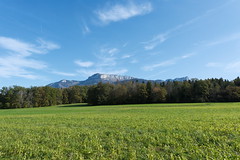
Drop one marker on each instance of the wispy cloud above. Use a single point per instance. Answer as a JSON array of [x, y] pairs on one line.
[[226, 39], [161, 64], [233, 67], [15, 66], [126, 56], [110, 51], [16, 58], [85, 28], [64, 73], [188, 55], [107, 56], [155, 41], [107, 59], [167, 62], [228, 67], [26, 49], [125, 45], [45, 46], [134, 61], [16, 46], [162, 37], [84, 64], [213, 64], [120, 12]]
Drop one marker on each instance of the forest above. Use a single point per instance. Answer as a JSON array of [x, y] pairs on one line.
[[133, 92]]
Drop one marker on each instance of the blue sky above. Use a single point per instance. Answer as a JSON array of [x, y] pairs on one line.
[[43, 41]]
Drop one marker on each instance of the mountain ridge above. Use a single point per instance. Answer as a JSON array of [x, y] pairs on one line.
[[107, 78]]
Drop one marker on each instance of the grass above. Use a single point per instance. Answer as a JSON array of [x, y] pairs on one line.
[[152, 131]]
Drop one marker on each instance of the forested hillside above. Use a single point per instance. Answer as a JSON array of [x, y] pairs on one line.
[[210, 90]]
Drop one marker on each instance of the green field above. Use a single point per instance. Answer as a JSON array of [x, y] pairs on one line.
[[153, 131]]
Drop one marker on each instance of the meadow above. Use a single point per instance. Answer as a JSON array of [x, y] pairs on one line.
[[152, 131]]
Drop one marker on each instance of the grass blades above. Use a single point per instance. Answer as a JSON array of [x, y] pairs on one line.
[[152, 131]]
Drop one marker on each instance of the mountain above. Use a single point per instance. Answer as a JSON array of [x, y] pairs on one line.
[[64, 84], [107, 78], [178, 79], [104, 78]]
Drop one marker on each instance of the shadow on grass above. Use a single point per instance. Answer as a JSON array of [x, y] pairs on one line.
[[75, 105]]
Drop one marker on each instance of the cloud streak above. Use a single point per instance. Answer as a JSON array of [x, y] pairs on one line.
[[26, 49], [161, 64], [162, 37], [107, 57], [167, 62], [17, 61], [233, 67], [64, 74], [84, 64], [85, 28], [226, 39], [213, 64], [120, 12], [155, 41]]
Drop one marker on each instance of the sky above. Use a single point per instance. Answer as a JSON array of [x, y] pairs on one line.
[[44, 41]]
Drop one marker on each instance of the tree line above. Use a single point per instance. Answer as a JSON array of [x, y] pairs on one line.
[[20, 97], [132, 92]]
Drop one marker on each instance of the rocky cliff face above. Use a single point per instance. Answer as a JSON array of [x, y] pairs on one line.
[[106, 78]]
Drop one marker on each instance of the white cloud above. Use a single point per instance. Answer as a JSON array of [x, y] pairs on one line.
[[113, 51], [16, 46], [126, 56], [45, 46], [110, 51], [85, 28], [134, 61], [13, 71], [17, 61], [120, 12], [64, 73], [161, 64], [84, 64], [162, 37], [26, 49], [187, 55], [233, 67], [106, 61], [226, 39], [167, 62], [213, 64], [107, 57], [155, 41]]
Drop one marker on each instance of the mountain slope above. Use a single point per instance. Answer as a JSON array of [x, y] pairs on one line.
[[64, 84], [106, 78]]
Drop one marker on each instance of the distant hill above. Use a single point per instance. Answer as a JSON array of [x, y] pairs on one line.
[[106, 78]]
